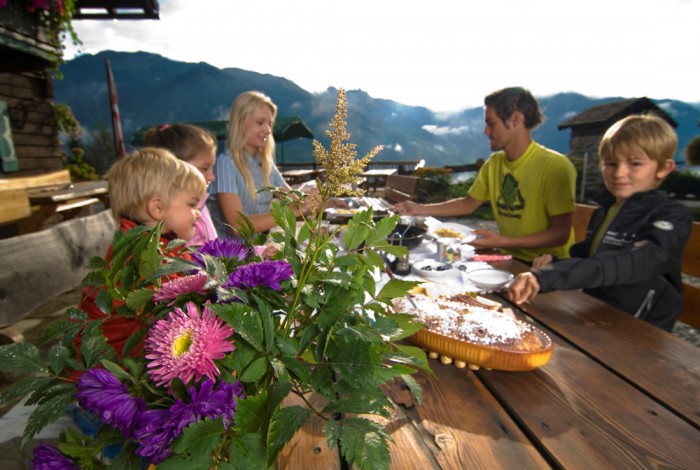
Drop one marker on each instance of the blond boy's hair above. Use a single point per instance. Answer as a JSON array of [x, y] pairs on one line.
[[148, 173], [646, 132]]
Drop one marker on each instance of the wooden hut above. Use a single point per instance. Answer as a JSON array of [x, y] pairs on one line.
[[29, 145], [588, 127]]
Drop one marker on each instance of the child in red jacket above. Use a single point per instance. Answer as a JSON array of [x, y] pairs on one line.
[[147, 187]]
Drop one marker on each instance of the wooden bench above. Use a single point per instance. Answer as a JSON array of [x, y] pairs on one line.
[[582, 215], [691, 267], [401, 188]]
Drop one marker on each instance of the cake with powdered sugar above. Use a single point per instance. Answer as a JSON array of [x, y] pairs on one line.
[[465, 318]]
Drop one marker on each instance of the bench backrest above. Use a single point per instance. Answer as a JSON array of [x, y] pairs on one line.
[[582, 215], [401, 188], [691, 266]]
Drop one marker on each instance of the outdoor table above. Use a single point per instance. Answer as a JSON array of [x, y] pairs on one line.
[[376, 178], [293, 177], [616, 393]]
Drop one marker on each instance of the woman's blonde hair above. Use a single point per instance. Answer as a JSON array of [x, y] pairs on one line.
[[148, 173], [243, 107], [185, 141], [647, 132]]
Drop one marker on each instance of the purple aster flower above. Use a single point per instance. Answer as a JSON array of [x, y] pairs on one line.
[[158, 429], [50, 458], [101, 393], [153, 436], [265, 273], [183, 285], [185, 345], [222, 248]]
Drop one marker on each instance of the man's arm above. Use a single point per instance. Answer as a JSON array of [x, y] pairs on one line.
[[556, 234], [454, 207]]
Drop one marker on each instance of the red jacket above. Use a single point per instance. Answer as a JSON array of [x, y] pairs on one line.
[[117, 329]]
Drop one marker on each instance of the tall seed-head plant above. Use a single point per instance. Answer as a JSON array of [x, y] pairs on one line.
[[342, 168]]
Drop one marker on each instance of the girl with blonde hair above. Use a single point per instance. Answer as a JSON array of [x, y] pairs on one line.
[[247, 167]]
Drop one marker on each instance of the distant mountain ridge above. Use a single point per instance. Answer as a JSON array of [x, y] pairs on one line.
[[153, 89]]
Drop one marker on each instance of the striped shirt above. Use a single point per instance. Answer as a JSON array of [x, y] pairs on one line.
[[229, 180]]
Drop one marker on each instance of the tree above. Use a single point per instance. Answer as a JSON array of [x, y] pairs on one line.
[[692, 152], [99, 148]]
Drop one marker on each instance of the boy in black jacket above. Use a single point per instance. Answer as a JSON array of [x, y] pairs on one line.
[[631, 256]]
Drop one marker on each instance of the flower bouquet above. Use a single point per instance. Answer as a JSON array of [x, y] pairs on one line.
[[227, 336]]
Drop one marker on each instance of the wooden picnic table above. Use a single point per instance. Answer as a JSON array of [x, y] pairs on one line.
[[617, 393], [293, 177], [376, 178]]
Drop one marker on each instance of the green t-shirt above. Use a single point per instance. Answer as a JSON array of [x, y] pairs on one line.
[[526, 192]]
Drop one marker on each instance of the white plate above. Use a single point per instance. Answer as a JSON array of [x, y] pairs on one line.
[[431, 269], [490, 278], [464, 233]]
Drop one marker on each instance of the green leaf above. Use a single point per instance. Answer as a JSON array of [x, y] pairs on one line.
[[150, 259], [363, 402], [104, 301], [179, 463], [255, 371], [362, 442], [249, 451], [56, 358], [200, 438], [246, 323], [395, 288], [24, 387], [414, 387], [285, 422], [249, 413], [408, 325], [116, 369], [411, 355], [47, 412], [92, 348], [21, 357], [139, 297]]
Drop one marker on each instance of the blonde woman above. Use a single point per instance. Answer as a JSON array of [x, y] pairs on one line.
[[248, 166]]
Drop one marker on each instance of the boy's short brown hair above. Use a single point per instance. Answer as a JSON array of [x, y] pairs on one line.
[[647, 132], [147, 173]]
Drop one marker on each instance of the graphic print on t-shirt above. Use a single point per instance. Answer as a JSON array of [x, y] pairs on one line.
[[510, 202]]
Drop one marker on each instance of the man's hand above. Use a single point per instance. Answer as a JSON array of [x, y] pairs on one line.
[[524, 288], [407, 208], [487, 239]]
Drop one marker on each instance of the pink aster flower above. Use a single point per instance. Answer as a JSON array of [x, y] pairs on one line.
[[183, 285], [185, 345]]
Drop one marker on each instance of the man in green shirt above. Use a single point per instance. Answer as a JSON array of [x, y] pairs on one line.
[[530, 187]]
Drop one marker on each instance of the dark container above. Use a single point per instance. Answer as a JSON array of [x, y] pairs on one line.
[[411, 239]]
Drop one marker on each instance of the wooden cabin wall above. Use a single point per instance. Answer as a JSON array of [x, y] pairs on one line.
[[34, 129], [582, 144]]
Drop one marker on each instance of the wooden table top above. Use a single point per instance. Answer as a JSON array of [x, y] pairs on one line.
[[617, 393], [380, 172]]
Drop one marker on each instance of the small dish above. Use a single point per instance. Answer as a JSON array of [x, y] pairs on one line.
[[459, 232], [432, 269], [490, 279]]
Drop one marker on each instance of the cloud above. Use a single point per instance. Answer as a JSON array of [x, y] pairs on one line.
[[398, 148], [446, 130]]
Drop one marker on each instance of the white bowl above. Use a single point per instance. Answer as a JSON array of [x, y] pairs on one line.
[[491, 279], [431, 268]]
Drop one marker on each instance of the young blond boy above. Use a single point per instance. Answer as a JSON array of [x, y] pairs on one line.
[[146, 187], [632, 253]]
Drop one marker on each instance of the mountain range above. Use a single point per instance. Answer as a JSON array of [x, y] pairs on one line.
[[153, 89]]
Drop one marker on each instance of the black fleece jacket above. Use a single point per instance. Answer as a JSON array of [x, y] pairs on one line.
[[637, 266]]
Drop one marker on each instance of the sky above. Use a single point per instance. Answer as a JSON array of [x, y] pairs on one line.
[[445, 55]]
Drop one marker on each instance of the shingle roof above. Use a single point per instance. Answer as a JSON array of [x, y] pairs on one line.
[[605, 115]]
